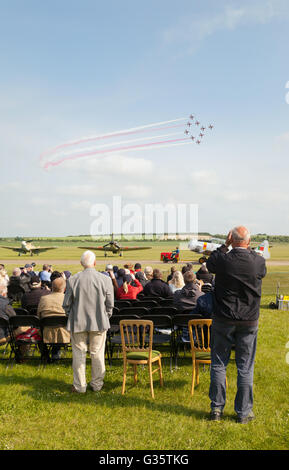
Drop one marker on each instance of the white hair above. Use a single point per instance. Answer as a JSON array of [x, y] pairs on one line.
[[16, 272], [239, 238], [87, 259]]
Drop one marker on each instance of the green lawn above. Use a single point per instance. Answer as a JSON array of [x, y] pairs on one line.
[[39, 412]]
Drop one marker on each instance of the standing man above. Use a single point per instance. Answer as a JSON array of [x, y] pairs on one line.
[[237, 295], [88, 302]]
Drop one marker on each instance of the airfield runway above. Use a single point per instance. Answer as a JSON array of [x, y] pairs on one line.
[[114, 261]]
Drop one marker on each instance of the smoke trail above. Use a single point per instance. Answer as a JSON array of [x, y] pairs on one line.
[[130, 147], [132, 130]]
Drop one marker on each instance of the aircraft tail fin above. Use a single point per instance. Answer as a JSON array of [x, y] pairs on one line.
[[264, 249]]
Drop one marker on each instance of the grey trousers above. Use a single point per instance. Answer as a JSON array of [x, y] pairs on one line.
[[244, 338], [79, 342]]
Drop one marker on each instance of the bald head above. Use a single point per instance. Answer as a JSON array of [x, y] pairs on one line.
[[240, 237]]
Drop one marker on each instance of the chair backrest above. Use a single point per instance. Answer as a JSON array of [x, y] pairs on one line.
[[4, 323], [166, 302], [140, 311], [151, 297], [21, 311], [115, 319], [24, 320], [171, 311], [136, 336], [147, 303], [159, 321], [122, 303], [115, 310], [54, 321], [181, 320], [200, 334]]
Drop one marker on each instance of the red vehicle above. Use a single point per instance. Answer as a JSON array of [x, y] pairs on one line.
[[169, 256]]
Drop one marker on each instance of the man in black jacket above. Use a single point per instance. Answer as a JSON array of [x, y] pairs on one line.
[[238, 280], [157, 287]]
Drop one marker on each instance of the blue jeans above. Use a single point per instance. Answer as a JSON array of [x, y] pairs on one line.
[[244, 338]]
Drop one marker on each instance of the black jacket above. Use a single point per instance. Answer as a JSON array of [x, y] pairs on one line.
[[6, 311], [238, 283], [157, 288], [186, 298]]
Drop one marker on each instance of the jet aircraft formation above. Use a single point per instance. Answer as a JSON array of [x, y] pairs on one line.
[[189, 131]]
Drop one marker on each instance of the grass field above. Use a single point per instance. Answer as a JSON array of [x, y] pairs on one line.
[[39, 412]]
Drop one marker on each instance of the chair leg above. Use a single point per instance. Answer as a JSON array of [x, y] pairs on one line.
[[124, 377], [197, 374], [135, 373], [151, 379], [161, 372], [193, 378]]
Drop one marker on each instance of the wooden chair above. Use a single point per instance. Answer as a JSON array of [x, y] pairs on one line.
[[199, 331], [137, 341]]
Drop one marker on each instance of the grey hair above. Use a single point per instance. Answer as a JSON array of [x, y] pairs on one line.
[[238, 238], [87, 259], [16, 272]]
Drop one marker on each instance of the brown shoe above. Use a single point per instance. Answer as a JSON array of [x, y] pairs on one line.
[[73, 390]]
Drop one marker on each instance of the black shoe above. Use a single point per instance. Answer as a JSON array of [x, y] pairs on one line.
[[216, 414], [246, 419]]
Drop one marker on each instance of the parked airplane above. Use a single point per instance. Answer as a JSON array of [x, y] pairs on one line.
[[114, 247], [27, 247], [206, 247]]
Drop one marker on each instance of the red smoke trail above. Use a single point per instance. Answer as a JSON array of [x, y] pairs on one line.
[[96, 152]]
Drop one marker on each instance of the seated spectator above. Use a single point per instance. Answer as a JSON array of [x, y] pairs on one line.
[[16, 287], [45, 274], [137, 267], [3, 273], [129, 267], [148, 272], [140, 276], [25, 279], [55, 275], [204, 305], [157, 287], [186, 298], [177, 281], [173, 270], [30, 300], [67, 274], [128, 290], [6, 311], [29, 269], [204, 275], [52, 305]]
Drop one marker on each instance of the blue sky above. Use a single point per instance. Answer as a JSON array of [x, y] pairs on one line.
[[71, 69]]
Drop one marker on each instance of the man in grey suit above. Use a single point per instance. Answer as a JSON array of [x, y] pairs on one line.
[[88, 302]]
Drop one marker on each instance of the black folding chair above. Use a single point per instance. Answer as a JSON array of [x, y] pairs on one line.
[[169, 302], [122, 303], [151, 297], [21, 311], [162, 332], [170, 311], [113, 335], [181, 331], [148, 303], [139, 311], [52, 321], [23, 320]]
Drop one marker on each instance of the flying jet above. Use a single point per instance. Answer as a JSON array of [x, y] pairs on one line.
[[189, 123], [203, 128], [186, 131], [201, 135], [207, 246], [114, 247], [191, 116], [27, 247], [210, 126], [197, 123], [193, 138]]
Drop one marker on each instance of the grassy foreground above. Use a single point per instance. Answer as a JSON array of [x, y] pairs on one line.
[[39, 412]]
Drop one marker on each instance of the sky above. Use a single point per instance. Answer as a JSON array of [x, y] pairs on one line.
[[71, 69]]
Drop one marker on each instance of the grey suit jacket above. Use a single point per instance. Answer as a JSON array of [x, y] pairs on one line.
[[88, 301]]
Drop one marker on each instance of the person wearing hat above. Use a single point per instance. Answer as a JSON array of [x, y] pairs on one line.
[[30, 300]]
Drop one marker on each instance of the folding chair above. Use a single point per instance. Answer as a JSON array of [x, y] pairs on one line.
[[180, 326], [147, 303], [18, 321], [21, 311], [170, 311], [162, 332], [169, 302], [139, 311], [113, 335], [200, 340], [122, 303], [51, 321], [136, 351]]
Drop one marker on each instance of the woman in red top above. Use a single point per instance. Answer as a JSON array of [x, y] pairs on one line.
[[127, 290]]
